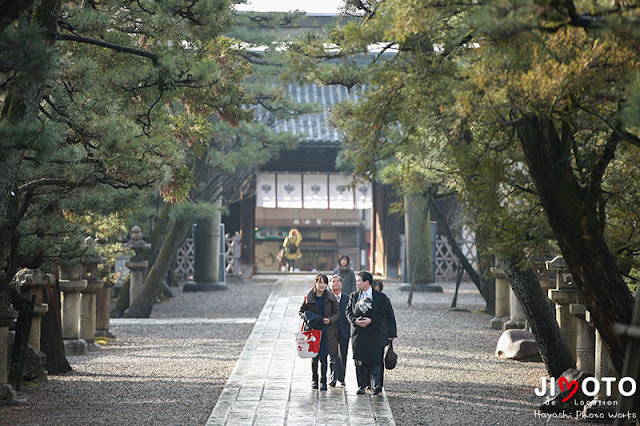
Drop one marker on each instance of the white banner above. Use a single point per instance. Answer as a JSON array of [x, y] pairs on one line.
[[320, 191], [363, 196], [340, 195], [315, 191], [266, 190], [289, 191]]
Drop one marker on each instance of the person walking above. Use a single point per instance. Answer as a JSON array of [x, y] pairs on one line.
[[291, 246], [389, 328], [320, 312], [338, 360], [367, 312], [346, 273]]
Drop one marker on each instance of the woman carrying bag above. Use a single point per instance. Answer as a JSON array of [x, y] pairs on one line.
[[320, 311]]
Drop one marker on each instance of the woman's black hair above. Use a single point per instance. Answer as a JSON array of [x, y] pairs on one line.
[[344, 256], [379, 284]]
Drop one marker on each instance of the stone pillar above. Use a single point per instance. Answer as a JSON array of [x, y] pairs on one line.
[[103, 312], [87, 328], [7, 316], [90, 264], [417, 230], [207, 264], [137, 265], [602, 403], [502, 298], [71, 285], [563, 296], [585, 337], [517, 317]]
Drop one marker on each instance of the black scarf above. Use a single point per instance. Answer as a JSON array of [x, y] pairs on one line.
[[342, 270]]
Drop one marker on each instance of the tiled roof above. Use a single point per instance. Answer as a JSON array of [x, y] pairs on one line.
[[314, 128]]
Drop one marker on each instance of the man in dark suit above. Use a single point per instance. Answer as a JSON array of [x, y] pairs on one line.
[[367, 311], [338, 361]]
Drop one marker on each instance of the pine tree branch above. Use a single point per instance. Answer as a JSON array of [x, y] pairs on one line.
[[61, 161], [118, 48], [41, 182]]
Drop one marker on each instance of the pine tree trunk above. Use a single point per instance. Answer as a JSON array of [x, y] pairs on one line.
[[143, 305], [122, 302], [484, 265], [51, 342], [24, 305], [572, 214], [477, 280], [541, 317], [21, 104]]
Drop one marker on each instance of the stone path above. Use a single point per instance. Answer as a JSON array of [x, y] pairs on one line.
[[170, 321], [271, 385]]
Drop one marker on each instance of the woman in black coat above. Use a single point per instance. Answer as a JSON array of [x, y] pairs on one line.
[[346, 273], [320, 311]]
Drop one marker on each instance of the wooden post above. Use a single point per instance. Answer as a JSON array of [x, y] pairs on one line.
[[247, 233]]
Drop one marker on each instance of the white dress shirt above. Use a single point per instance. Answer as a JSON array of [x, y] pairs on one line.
[[368, 293]]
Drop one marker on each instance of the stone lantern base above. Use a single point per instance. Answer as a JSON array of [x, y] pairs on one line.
[[75, 347], [422, 287], [192, 286]]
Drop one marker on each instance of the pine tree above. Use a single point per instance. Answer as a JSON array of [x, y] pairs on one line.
[[527, 111]]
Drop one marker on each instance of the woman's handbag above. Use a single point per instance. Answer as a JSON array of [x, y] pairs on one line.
[[308, 343], [391, 359]]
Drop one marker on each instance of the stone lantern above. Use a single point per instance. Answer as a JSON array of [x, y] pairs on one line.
[[137, 265], [563, 296], [87, 327], [7, 316], [34, 282], [71, 285]]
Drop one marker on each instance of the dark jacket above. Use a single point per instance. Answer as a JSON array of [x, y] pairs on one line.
[[348, 280], [390, 323], [366, 342], [344, 328], [331, 311]]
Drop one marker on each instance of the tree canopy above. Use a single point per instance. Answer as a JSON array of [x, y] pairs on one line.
[[103, 104], [528, 111]]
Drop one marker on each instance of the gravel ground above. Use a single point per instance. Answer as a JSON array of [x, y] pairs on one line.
[[447, 372], [151, 374]]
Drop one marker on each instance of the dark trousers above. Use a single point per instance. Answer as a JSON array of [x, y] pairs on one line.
[[369, 374], [291, 265], [338, 361], [323, 369]]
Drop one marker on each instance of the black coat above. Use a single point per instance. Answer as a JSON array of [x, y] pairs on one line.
[[343, 326], [390, 325], [367, 341]]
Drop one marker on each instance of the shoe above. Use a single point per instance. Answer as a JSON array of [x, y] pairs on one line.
[[314, 385], [361, 391], [341, 385], [378, 390], [323, 387], [332, 383]]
